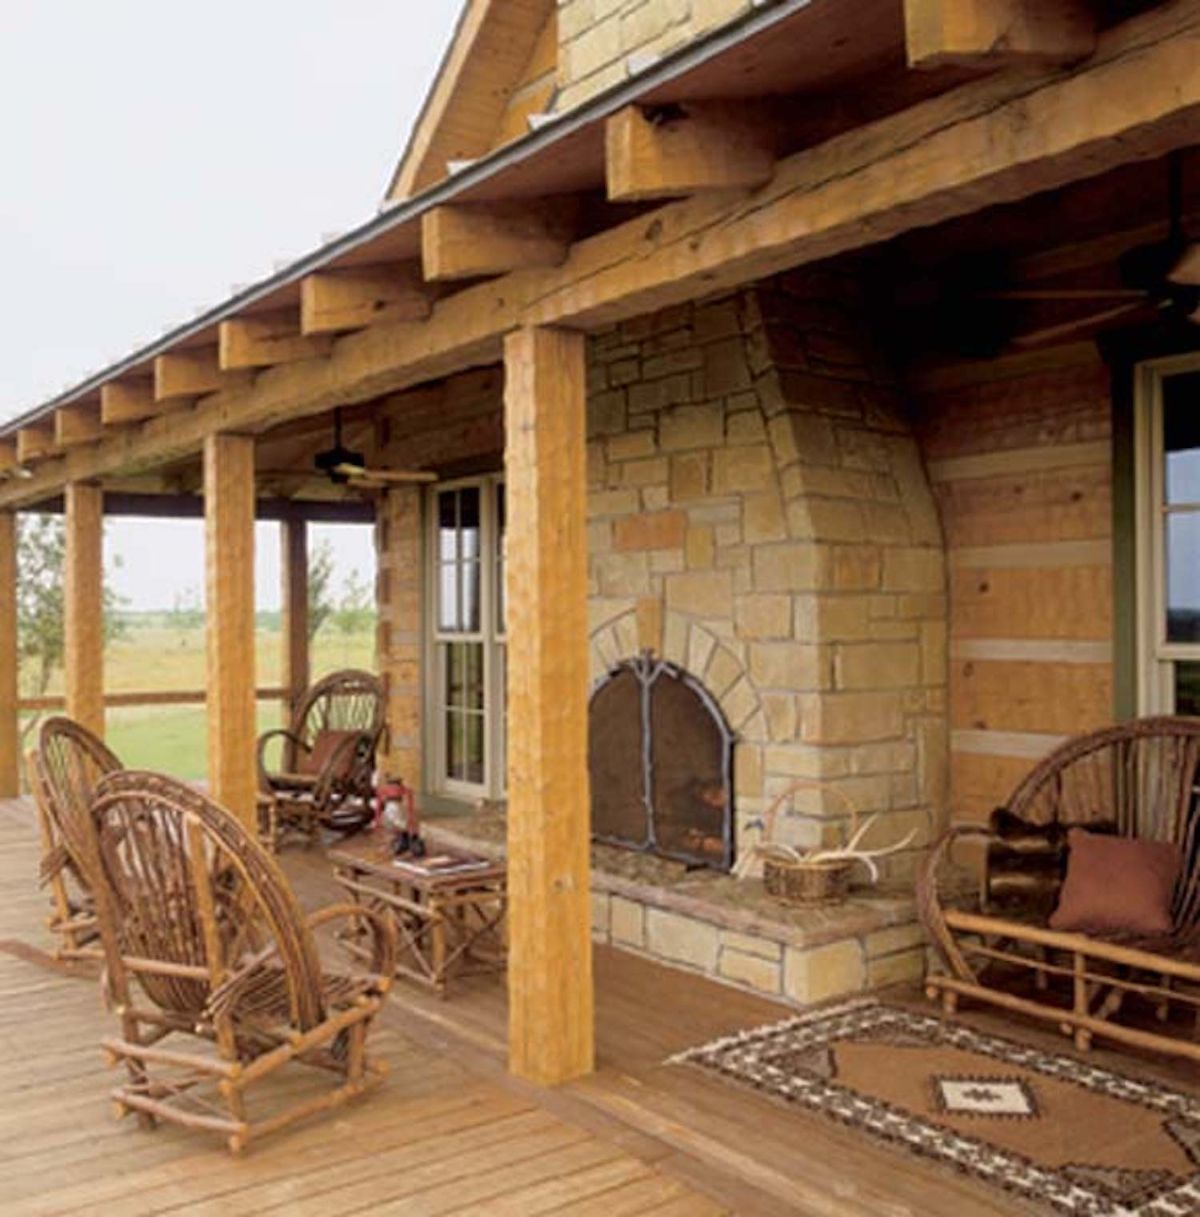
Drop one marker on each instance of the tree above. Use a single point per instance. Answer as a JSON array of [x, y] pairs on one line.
[[355, 609], [187, 613], [320, 594], [41, 554]]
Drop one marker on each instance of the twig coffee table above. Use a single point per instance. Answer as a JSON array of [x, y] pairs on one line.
[[449, 917]]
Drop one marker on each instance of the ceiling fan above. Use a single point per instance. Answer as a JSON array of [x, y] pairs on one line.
[[345, 467], [1163, 276]]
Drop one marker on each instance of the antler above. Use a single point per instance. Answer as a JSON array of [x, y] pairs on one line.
[[853, 850]]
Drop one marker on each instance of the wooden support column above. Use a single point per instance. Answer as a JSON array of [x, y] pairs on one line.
[[10, 746], [294, 568], [229, 563], [83, 605], [550, 996]]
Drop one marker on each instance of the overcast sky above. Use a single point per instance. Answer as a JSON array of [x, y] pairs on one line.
[[155, 152]]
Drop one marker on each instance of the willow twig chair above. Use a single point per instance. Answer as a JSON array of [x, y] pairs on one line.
[[63, 771], [1138, 779], [328, 762], [204, 938]]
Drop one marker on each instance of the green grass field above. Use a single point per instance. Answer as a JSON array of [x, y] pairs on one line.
[[154, 657]]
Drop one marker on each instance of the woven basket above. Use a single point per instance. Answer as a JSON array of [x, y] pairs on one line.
[[807, 882], [797, 880]]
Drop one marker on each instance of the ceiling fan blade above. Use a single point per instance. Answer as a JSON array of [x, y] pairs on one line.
[[1066, 293], [1186, 270], [399, 477], [1066, 328]]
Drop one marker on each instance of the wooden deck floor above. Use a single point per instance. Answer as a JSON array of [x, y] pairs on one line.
[[450, 1132]]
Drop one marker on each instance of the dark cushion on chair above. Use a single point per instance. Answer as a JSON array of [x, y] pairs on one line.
[[1116, 885], [325, 746]]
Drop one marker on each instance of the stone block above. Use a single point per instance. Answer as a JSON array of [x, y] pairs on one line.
[[878, 665], [751, 944], [746, 426], [895, 938], [788, 566], [914, 569], [741, 469], [650, 530], [627, 921], [725, 367], [606, 412], [752, 971], [682, 940], [600, 914], [905, 967], [702, 593], [763, 517], [790, 665], [763, 615], [699, 548], [688, 477], [820, 973], [622, 574], [650, 471], [685, 427], [630, 445], [780, 710], [650, 624], [851, 718]]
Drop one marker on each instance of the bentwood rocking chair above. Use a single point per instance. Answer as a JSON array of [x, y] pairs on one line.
[[203, 938], [328, 760], [63, 773]]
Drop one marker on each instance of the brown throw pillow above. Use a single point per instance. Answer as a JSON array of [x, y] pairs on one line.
[[1116, 885], [326, 744]]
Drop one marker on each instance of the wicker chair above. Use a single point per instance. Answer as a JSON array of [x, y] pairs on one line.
[[63, 772], [328, 762], [203, 937], [1139, 779]]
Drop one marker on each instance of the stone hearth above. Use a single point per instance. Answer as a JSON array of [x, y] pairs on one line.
[[730, 929]]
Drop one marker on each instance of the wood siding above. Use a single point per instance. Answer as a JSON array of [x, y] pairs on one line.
[[1019, 456]]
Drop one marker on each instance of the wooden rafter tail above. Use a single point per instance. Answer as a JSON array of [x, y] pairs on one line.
[[353, 298], [77, 423], [127, 401], [989, 34], [668, 151], [35, 442], [180, 376], [465, 241], [8, 454], [266, 339]]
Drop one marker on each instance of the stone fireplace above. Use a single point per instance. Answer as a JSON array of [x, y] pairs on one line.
[[660, 756]]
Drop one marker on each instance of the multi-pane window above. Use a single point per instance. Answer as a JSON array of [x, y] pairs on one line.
[[1169, 548], [468, 638]]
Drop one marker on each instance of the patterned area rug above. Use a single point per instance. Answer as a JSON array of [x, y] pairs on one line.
[[1051, 1129]]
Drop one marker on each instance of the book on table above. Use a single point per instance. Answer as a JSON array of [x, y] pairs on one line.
[[442, 864]]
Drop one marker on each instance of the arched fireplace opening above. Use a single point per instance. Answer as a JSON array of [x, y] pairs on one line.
[[660, 757]]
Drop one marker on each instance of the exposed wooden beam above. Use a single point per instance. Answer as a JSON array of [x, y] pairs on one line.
[[187, 374], [127, 401], [550, 997], [294, 574], [997, 33], [35, 441], [83, 605], [334, 301], [10, 736], [266, 339], [8, 454], [667, 151], [994, 140], [77, 423], [229, 621], [464, 241]]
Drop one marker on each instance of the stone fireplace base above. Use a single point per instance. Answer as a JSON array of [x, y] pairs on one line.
[[730, 929]]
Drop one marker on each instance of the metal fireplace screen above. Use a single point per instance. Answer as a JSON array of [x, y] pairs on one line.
[[660, 755]]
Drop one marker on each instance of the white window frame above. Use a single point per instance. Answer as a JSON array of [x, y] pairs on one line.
[[494, 642], [1156, 656]]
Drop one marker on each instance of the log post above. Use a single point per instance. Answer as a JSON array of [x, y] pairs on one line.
[[399, 595], [83, 605], [229, 566], [10, 782], [294, 569], [550, 995]]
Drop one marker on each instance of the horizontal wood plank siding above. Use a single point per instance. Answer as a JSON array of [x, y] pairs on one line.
[[1019, 455]]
